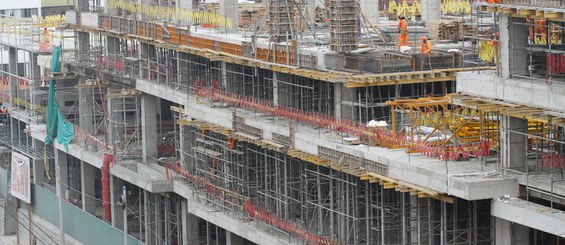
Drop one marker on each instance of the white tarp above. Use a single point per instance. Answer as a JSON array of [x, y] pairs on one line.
[[20, 184]]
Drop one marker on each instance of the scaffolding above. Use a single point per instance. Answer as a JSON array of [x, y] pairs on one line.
[[539, 165], [308, 201], [124, 121]]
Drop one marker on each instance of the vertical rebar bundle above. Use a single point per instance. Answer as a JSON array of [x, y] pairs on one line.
[[343, 25]]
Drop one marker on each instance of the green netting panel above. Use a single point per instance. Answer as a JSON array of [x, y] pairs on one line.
[[56, 125], [78, 224]]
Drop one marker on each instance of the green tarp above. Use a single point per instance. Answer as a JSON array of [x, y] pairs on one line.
[[57, 127]]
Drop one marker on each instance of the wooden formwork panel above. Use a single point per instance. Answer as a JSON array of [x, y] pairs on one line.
[[158, 32], [141, 30], [262, 54], [173, 35], [183, 36], [231, 48], [150, 30], [201, 43], [106, 23]]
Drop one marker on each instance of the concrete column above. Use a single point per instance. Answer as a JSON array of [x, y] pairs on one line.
[[38, 172], [82, 5], [149, 225], [513, 145], [275, 88], [13, 69], [87, 183], [431, 10], [371, 10], [191, 231], [83, 45], [513, 40], [149, 127], [111, 45], [337, 100], [61, 159], [415, 235], [116, 189], [34, 68], [508, 233], [233, 239], [86, 120], [112, 134], [344, 98], [185, 4], [223, 74], [230, 10]]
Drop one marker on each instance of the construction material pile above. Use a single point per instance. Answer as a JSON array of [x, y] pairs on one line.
[[445, 29]]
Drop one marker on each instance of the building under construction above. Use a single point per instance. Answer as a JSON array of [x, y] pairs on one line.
[[284, 122]]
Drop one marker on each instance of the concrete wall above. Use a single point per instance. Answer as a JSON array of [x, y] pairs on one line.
[[533, 93], [54, 10], [20, 4]]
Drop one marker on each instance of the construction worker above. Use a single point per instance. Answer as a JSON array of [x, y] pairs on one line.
[[494, 1], [540, 32], [403, 30], [426, 46], [494, 40]]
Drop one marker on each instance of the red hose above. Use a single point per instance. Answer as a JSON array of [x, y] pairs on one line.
[[108, 158]]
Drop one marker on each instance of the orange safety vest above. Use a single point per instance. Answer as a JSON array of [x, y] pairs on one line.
[[403, 27], [494, 1], [426, 47], [540, 26]]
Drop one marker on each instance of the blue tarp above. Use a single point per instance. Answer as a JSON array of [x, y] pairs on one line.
[[57, 127]]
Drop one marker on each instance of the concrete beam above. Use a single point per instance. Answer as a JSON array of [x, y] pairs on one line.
[[519, 91], [527, 214]]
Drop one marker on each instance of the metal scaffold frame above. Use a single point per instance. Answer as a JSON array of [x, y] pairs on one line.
[[124, 121], [245, 180]]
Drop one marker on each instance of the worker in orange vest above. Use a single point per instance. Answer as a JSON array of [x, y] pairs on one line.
[[494, 40], [540, 26], [426, 46], [403, 30], [494, 1]]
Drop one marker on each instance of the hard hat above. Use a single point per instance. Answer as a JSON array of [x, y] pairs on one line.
[[424, 38]]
